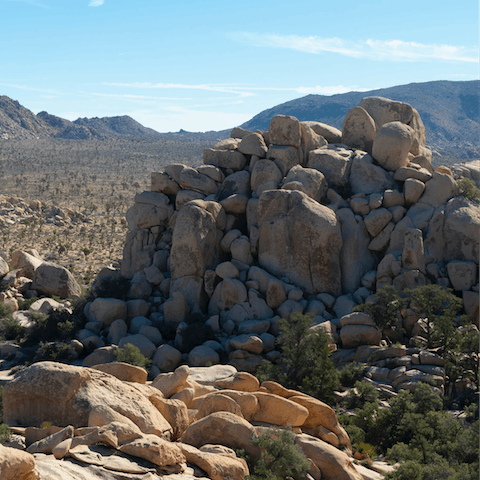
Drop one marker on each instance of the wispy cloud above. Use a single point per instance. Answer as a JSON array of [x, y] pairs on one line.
[[394, 50], [134, 97], [32, 89], [241, 90], [224, 88], [96, 3]]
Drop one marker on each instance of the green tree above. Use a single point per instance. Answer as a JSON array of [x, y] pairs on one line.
[[439, 307], [384, 309], [306, 365]]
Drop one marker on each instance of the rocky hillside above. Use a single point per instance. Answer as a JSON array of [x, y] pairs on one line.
[[449, 110], [301, 219]]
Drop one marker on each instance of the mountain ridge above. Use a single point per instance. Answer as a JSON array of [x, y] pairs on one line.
[[450, 111]]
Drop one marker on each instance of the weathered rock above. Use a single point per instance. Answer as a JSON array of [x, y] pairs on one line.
[[17, 464], [192, 179], [51, 279], [358, 130], [354, 335], [171, 383], [413, 254], [310, 258], [222, 428], [107, 310], [462, 275], [277, 410], [355, 256], [284, 130], [202, 355], [161, 183], [23, 261], [413, 190], [217, 466], [124, 371], [460, 231], [392, 144], [265, 173], [145, 215], [196, 238], [47, 444], [332, 462], [49, 391], [166, 358], [439, 189], [145, 346], [284, 157], [333, 162], [365, 177], [224, 158], [253, 144], [330, 134], [377, 220], [307, 180]]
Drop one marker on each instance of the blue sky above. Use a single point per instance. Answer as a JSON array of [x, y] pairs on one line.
[[212, 65]]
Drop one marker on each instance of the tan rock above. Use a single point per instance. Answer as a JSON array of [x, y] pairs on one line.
[[332, 462], [253, 144], [218, 402], [284, 157], [175, 413], [162, 183], [392, 144], [439, 189], [333, 162], [242, 381], [103, 415], [171, 383], [49, 391], [319, 413], [52, 279], [218, 467], [283, 252], [329, 133], [284, 130], [17, 464], [279, 411], [224, 158], [358, 130], [196, 238], [354, 335], [124, 371], [223, 428], [26, 263], [155, 450], [47, 444]]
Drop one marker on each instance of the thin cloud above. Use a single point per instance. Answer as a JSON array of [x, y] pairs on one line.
[[180, 86], [32, 89], [395, 50], [96, 3], [241, 90], [134, 97]]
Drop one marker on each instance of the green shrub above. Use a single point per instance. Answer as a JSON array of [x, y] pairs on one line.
[[10, 329], [351, 373], [363, 393], [280, 457], [5, 310], [5, 433], [306, 365], [468, 188], [131, 354], [24, 304]]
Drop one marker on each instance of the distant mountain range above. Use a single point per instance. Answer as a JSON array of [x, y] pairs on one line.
[[449, 110]]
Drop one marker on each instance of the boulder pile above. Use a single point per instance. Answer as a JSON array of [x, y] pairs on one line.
[[107, 421]]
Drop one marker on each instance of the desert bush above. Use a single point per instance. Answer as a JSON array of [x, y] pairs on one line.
[[468, 188], [131, 354], [5, 310], [10, 329], [280, 457], [305, 365], [351, 373], [55, 351]]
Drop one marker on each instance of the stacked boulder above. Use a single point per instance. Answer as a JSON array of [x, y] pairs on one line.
[[187, 422], [301, 218]]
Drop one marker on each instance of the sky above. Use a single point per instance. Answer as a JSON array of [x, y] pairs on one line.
[[212, 65]]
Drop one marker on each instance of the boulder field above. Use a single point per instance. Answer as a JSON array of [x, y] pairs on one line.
[[83, 423]]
